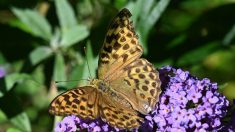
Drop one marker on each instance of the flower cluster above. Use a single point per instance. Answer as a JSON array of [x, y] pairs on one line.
[[73, 123], [186, 104]]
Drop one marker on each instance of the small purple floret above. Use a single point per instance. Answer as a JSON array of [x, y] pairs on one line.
[[2, 72]]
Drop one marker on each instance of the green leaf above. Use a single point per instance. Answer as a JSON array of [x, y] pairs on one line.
[[85, 7], [56, 39], [176, 41], [197, 55], [19, 24], [21, 121], [59, 69], [76, 71], [229, 36], [74, 35], [3, 117], [92, 61], [2, 59], [11, 79], [12, 129], [229, 91], [120, 3], [147, 12], [76, 74], [66, 14], [137, 9], [28, 87], [155, 14], [37, 24], [39, 54]]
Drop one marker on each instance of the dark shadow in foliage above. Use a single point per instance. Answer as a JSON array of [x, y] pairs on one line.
[[230, 120], [5, 4], [15, 43], [9, 103], [97, 34], [48, 69], [217, 22], [232, 123], [3, 88]]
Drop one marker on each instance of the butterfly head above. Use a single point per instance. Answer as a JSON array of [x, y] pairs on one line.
[[100, 85], [94, 81]]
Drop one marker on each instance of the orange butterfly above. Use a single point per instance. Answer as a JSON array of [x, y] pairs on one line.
[[126, 86]]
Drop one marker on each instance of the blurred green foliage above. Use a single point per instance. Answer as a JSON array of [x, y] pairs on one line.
[[44, 40]]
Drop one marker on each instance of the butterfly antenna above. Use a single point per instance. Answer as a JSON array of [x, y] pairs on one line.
[[87, 62], [71, 80]]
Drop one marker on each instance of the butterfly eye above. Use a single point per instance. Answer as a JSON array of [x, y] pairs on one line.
[[102, 86]]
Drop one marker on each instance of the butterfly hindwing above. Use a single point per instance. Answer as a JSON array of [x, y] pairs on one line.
[[81, 101], [117, 115], [140, 84]]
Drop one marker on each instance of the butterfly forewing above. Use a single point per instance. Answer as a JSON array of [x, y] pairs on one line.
[[81, 101], [120, 47]]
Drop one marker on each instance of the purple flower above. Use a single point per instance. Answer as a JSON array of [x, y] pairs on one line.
[[160, 120], [186, 104], [67, 124], [73, 123], [2, 72], [194, 96]]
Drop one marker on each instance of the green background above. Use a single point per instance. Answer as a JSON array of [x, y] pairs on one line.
[[43, 40]]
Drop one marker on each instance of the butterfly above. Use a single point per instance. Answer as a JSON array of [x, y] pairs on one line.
[[127, 85]]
